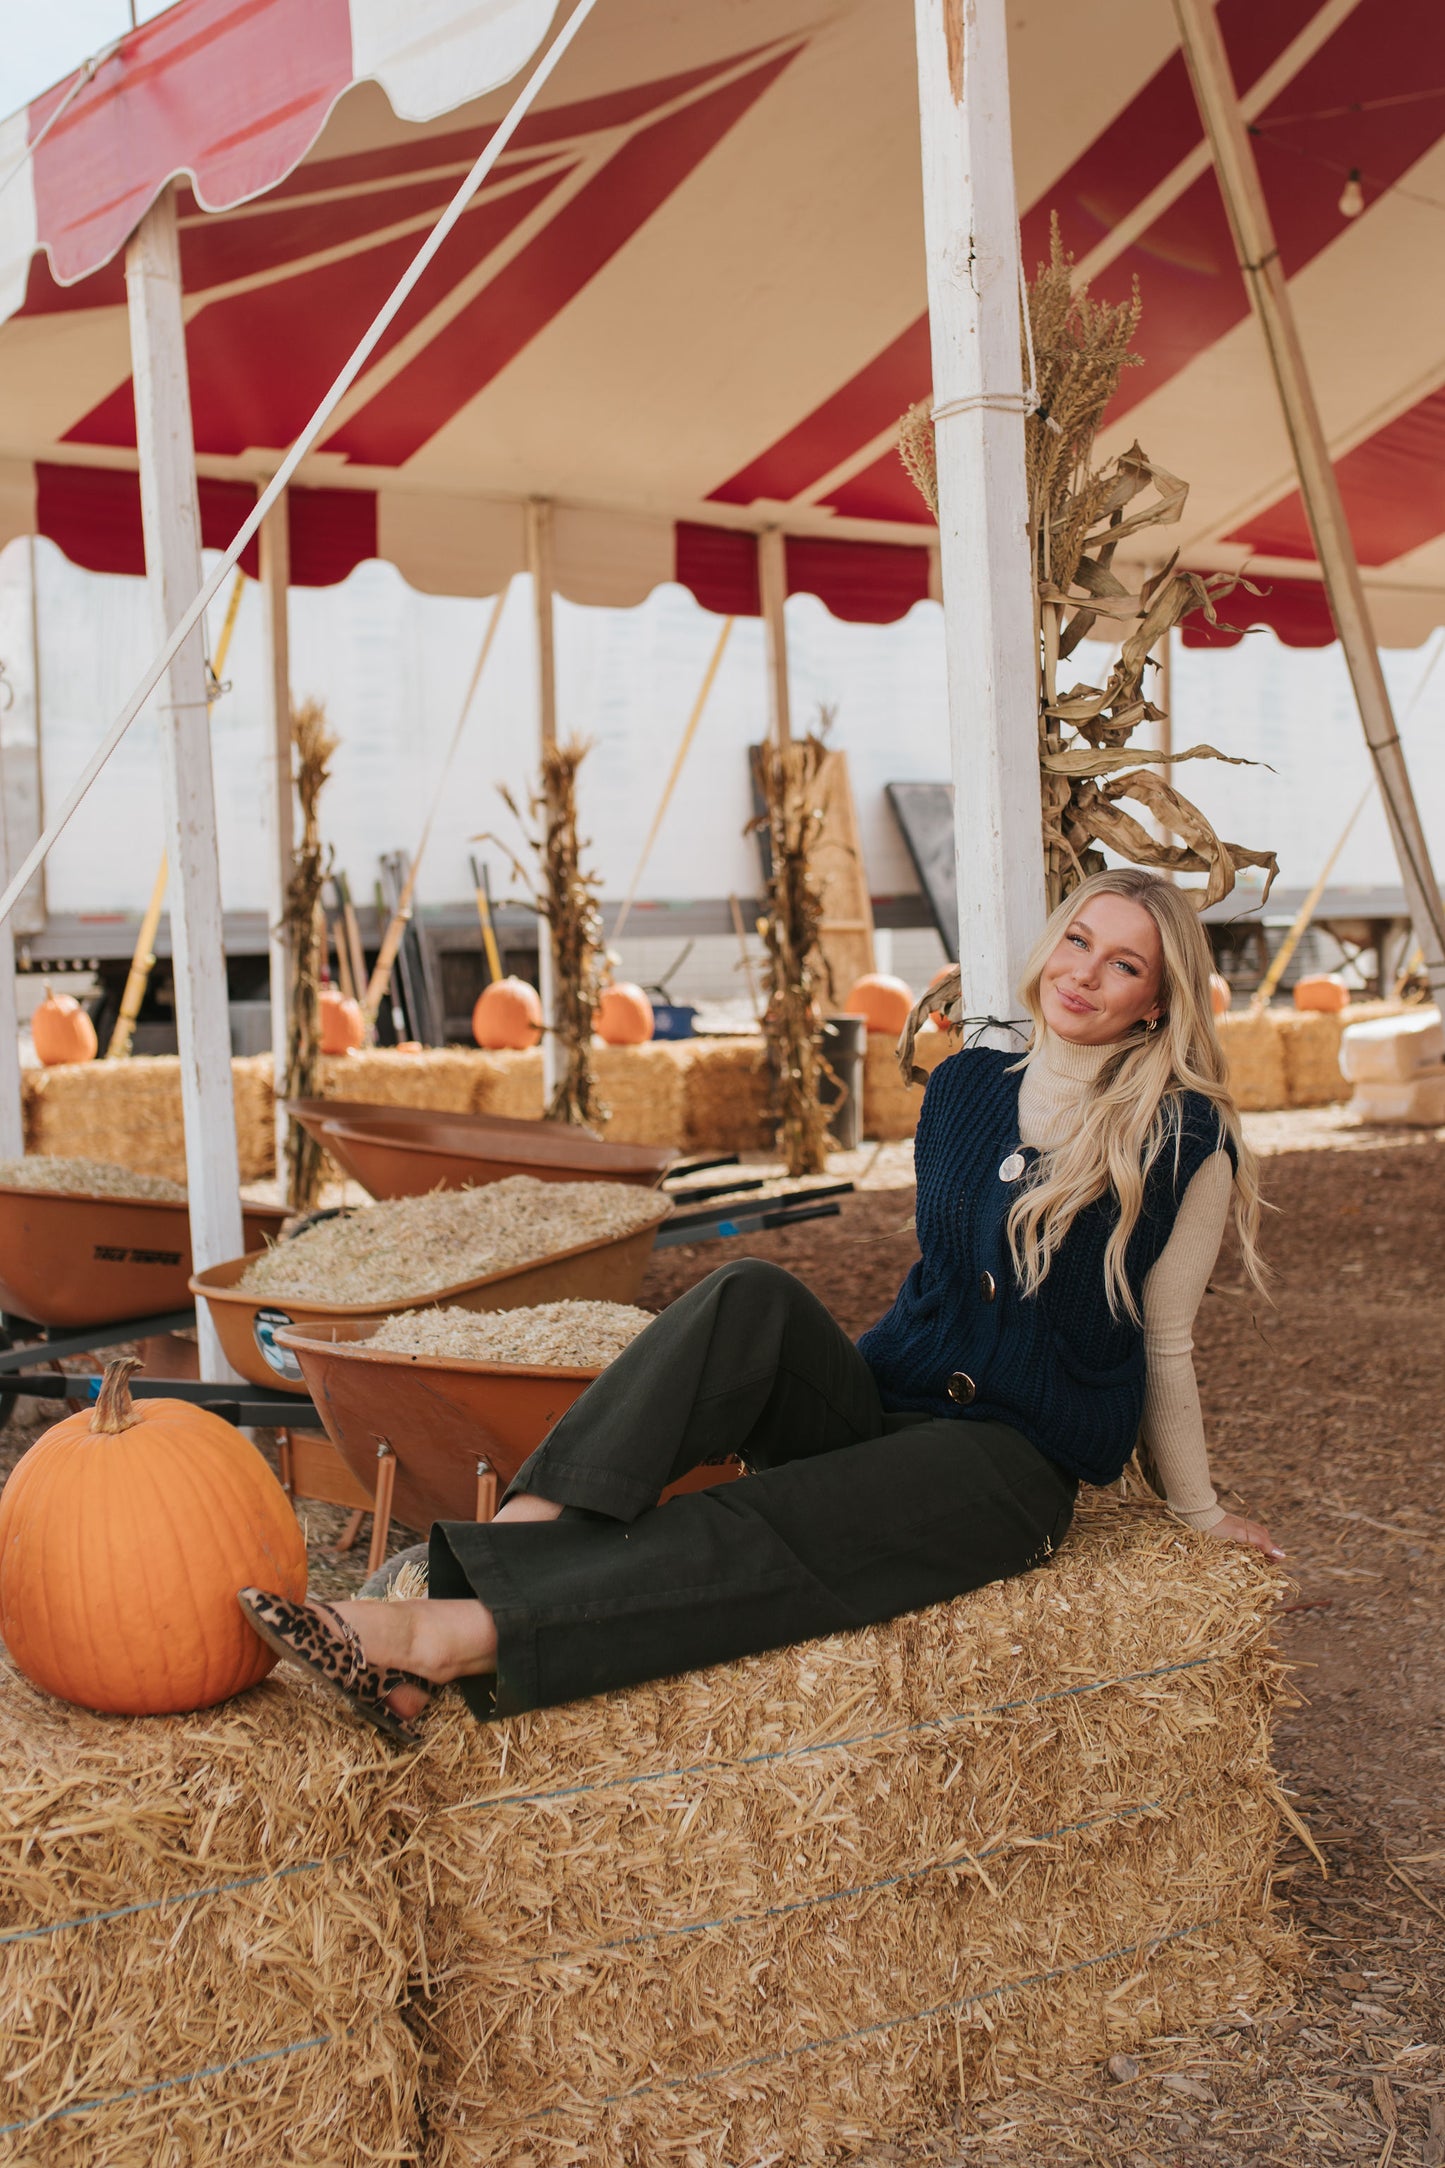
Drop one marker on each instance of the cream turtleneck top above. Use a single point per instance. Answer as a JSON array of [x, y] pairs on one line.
[[1054, 1084]]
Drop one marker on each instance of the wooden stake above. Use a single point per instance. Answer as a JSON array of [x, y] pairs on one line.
[[170, 518], [540, 566], [1269, 295], [971, 233], [278, 796], [709, 678], [772, 600]]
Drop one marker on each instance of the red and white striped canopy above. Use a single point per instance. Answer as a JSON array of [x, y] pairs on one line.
[[690, 300]]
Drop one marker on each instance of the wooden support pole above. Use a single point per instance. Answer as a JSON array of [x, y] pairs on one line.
[[971, 233], [278, 790], [12, 1092], [1269, 295], [170, 518], [772, 600], [540, 565]]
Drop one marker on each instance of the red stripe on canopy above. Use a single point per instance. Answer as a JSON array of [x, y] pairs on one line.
[[231, 91], [871, 583], [493, 328], [93, 514], [1294, 609], [1393, 486]]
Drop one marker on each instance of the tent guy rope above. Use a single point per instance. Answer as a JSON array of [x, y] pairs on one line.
[[351, 370]]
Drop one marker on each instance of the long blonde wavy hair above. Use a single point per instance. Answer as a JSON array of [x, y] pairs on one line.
[[1134, 1110]]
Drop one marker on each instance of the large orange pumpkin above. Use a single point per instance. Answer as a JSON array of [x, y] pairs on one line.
[[342, 1024], [883, 1001], [125, 1533], [507, 1013], [61, 1031], [624, 1015]]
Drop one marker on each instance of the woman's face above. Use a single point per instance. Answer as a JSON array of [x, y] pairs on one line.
[[1106, 973]]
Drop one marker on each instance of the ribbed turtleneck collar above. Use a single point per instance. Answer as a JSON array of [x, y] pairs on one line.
[[1072, 1064]]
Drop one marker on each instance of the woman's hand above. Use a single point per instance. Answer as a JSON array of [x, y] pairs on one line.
[[1233, 1529]]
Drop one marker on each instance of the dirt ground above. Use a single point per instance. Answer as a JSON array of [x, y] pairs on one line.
[[1324, 1414]]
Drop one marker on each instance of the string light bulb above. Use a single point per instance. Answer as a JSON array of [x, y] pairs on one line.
[[1352, 196]]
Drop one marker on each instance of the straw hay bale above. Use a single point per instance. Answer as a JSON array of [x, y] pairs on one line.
[[513, 1085], [727, 1104], [291, 1957], [873, 1870], [1255, 1053], [447, 1079], [129, 1113], [644, 1088], [1310, 1044], [890, 1107]]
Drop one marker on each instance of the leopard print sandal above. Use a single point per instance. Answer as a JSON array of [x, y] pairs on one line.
[[316, 1636]]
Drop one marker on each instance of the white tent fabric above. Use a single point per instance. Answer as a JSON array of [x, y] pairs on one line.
[[690, 302]]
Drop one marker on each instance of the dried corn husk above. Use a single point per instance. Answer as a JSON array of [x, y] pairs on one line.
[[314, 746], [553, 1335], [394, 1251], [795, 972], [87, 1178], [1078, 516], [566, 901]]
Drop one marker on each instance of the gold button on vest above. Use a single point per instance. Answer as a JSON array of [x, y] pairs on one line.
[[987, 1287], [962, 1388]]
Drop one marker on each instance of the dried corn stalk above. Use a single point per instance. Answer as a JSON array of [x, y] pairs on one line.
[[566, 901], [795, 974], [1078, 516], [314, 746]]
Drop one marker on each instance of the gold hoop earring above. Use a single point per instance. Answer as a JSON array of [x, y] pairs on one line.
[[1153, 1024]]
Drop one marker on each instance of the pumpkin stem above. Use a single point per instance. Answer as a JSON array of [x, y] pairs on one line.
[[114, 1408]]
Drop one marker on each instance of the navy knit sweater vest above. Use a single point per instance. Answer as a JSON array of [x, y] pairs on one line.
[[1059, 1366]]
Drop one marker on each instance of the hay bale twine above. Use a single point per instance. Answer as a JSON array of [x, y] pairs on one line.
[[790, 1905], [207, 1925]]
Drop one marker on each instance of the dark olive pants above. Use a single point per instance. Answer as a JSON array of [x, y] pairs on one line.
[[846, 1516]]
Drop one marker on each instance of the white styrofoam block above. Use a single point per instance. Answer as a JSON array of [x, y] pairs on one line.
[[1392, 1049], [1420, 1100]]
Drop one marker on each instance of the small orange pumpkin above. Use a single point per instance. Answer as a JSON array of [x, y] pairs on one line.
[[342, 1024], [1221, 993], [883, 1001], [125, 1533], [624, 1015], [939, 1019], [61, 1031], [507, 1013], [1322, 990]]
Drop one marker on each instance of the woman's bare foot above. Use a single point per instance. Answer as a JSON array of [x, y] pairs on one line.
[[440, 1640], [526, 1506]]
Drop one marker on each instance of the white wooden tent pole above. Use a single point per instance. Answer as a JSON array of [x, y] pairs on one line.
[[12, 1090], [278, 792], [540, 566], [772, 600], [971, 234], [1268, 290], [356, 361], [170, 516]]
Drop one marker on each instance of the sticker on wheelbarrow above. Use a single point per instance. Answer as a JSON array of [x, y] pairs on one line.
[[280, 1359]]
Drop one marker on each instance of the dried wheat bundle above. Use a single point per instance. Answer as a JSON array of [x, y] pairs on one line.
[[794, 971], [314, 746], [1078, 516], [566, 901]]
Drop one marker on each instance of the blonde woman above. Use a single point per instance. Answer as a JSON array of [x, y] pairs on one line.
[[1070, 1209]]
